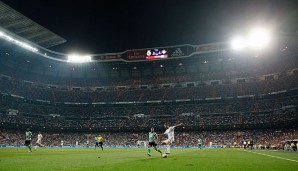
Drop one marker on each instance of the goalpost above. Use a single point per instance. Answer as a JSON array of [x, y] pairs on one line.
[[142, 144]]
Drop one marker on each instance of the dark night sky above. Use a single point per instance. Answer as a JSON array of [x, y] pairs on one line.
[[92, 26]]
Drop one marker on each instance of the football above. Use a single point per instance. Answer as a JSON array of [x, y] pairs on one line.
[[164, 155]]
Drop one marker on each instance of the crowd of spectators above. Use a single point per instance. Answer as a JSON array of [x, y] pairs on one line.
[[139, 95], [201, 108], [136, 122]]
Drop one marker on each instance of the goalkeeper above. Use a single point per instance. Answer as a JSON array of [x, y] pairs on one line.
[[152, 142]]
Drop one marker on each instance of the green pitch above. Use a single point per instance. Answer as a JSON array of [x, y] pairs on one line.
[[136, 159]]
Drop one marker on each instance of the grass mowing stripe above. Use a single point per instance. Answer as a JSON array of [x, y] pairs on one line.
[[273, 156]]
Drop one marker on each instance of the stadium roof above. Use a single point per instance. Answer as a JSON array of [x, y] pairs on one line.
[[22, 26]]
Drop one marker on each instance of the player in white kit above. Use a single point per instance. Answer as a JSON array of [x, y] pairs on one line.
[[170, 133], [38, 142]]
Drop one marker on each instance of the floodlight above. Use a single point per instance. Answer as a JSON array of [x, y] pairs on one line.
[[238, 43], [17, 42], [78, 58], [259, 38]]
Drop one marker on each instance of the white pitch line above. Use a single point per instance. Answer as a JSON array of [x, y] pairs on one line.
[[273, 156]]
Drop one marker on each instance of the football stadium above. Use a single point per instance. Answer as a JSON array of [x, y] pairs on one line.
[[222, 103]]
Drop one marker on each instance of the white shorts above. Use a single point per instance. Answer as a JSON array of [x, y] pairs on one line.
[[38, 142], [168, 141]]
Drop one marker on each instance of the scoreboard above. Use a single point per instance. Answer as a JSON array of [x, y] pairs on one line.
[[156, 54]]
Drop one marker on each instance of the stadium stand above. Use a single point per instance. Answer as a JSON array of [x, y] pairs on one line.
[[216, 95]]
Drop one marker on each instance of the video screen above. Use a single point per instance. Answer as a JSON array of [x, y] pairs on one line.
[[156, 54]]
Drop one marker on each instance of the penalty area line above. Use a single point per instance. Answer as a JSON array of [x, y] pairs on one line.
[[273, 156]]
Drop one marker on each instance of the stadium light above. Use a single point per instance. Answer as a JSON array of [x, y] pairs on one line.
[[238, 43], [17, 42], [78, 58], [259, 38]]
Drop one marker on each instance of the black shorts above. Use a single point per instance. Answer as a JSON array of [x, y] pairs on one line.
[[152, 144], [200, 145], [27, 142], [100, 143], [96, 143]]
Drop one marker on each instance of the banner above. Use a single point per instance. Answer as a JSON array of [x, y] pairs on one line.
[[108, 57], [212, 47], [206, 48], [179, 51], [136, 55]]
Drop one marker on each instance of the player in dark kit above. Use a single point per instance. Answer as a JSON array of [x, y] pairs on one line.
[[96, 142], [152, 142], [28, 139], [200, 143]]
